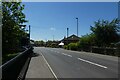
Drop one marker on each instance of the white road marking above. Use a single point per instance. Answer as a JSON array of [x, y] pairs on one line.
[[50, 68], [92, 63], [69, 55], [64, 54]]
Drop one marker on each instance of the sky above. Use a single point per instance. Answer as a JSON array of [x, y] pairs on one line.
[[50, 20]]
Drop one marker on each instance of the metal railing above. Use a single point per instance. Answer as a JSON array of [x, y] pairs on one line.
[[15, 68]]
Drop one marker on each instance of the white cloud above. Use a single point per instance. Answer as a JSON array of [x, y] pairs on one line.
[[52, 29]]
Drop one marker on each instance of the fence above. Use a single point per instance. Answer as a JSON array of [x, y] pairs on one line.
[[15, 69], [106, 51]]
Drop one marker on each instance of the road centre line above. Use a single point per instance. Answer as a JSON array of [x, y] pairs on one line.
[[92, 63], [64, 54], [85, 60], [54, 51], [69, 55]]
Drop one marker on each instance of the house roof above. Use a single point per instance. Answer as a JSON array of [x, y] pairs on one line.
[[72, 37]]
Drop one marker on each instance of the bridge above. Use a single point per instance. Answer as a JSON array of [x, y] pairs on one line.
[[58, 63]]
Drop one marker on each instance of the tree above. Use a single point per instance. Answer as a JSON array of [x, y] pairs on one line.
[[87, 41], [106, 32], [12, 32], [39, 43]]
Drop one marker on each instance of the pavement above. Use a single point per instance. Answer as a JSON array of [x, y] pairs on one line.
[[59, 63], [38, 68]]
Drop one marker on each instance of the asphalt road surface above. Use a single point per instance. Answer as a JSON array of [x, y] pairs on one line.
[[73, 64]]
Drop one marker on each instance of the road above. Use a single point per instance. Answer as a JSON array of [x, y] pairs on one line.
[[73, 64]]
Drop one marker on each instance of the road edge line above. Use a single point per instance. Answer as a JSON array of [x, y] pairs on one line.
[[49, 67]]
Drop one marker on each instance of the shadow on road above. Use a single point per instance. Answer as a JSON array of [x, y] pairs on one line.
[[35, 55]]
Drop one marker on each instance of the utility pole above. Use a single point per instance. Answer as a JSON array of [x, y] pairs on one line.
[[53, 37], [67, 32], [46, 42], [29, 34], [67, 35], [77, 26]]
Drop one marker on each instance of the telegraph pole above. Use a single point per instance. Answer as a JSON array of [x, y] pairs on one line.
[[77, 26], [67, 35], [67, 32], [53, 37], [29, 34]]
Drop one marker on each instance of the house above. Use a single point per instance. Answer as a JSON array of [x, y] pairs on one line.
[[71, 39]]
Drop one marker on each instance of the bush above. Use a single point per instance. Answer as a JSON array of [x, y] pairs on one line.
[[65, 47], [73, 46], [118, 49]]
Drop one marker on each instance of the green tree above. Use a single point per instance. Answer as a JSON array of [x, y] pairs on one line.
[[106, 32], [12, 32], [39, 43], [87, 41]]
